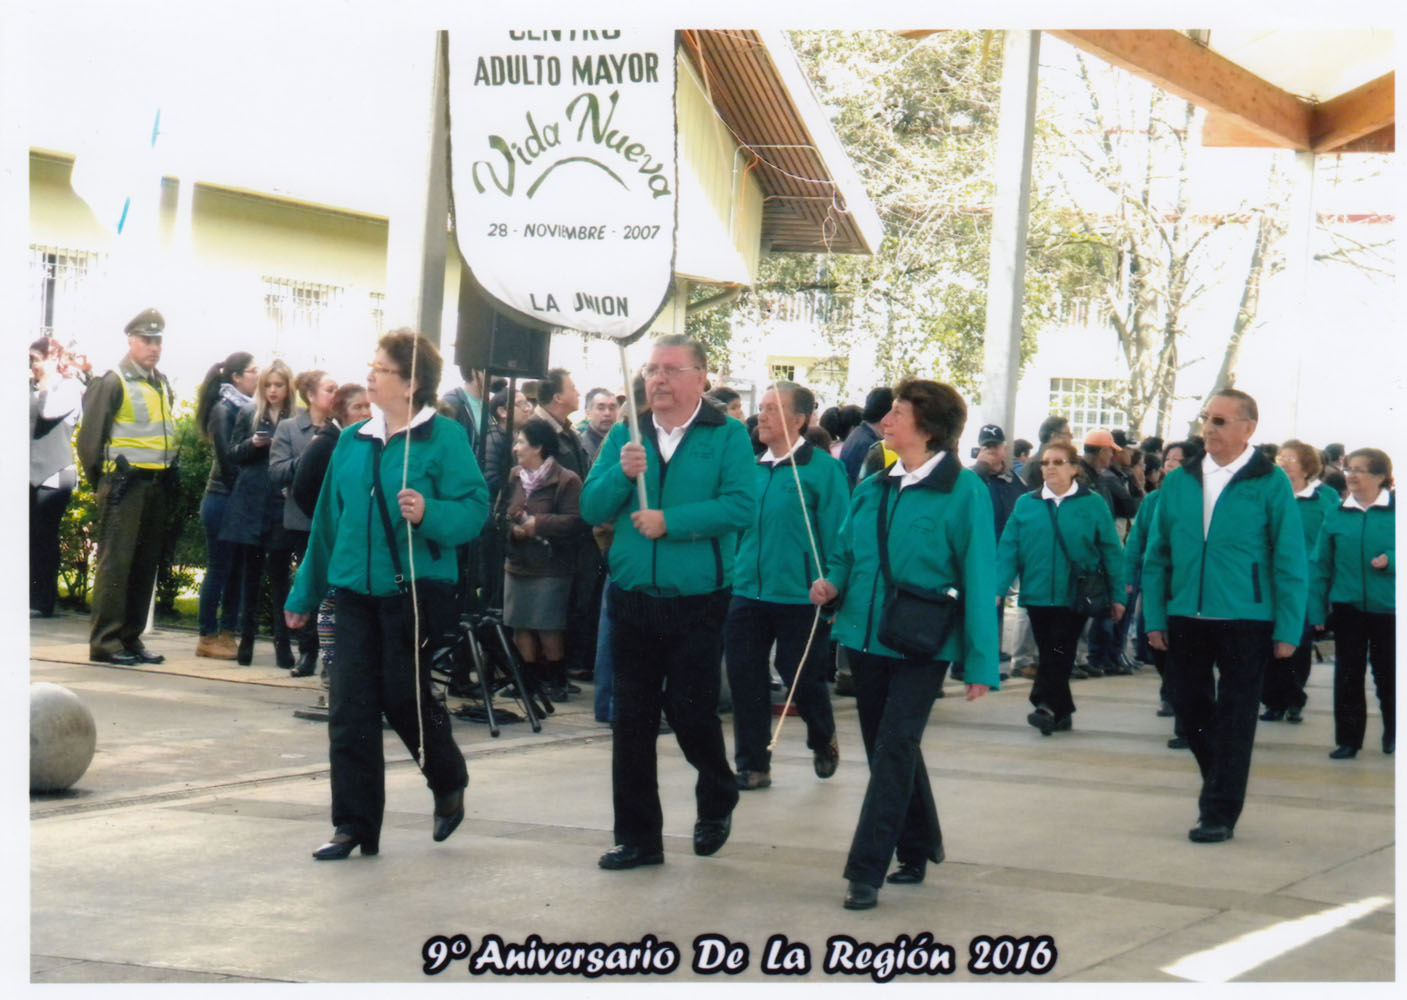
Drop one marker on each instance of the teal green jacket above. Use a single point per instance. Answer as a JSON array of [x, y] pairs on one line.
[[1313, 510], [705, 492], [1341, 570], [941, 535], [1250, 567], [347, 543], [1028, 547], [774, 555], [1137, 542]]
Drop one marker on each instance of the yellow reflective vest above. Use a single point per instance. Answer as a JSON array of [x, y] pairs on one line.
[[143, 429]]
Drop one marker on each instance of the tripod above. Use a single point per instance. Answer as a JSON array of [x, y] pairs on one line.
[[479, 661]]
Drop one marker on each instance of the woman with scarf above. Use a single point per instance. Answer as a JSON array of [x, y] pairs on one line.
[[227, 388], [541, 502]]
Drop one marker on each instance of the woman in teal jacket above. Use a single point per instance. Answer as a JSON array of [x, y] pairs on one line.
[[1282, 690], [443, 504], [1354, 572], [1031, 549], [939, 534], [771, 584]]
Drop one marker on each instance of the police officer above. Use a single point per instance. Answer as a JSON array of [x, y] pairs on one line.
[[127, 448]]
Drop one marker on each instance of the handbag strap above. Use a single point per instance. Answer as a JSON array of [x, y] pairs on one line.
[[1051, 506], [380, 496], [882, 531]]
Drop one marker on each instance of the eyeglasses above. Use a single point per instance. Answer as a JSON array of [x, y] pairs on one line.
[[1054, 461], [378, 368], [668, 372], [1217, 421], [1350, 471]]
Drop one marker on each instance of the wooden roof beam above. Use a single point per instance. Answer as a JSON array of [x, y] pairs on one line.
[[1354, 114], [1180, 66]]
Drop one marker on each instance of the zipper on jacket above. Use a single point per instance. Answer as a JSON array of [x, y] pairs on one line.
[[874, 587], [1255, 581], [655, 542], [1363, 558]]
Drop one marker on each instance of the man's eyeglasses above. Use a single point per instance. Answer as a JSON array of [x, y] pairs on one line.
[[1217, 421], [669, 372]]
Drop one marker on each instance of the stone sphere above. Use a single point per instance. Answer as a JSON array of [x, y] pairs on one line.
[[62, 737]]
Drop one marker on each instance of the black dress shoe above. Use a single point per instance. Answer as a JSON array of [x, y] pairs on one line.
[[1343, 753], [1178, 743], [1043, 719], [1294, 715], [1389, 745], [908, 873], [449, 813], [147, 656], [1209, 833], [711, 834], [860, 896], [342, 844], [623, 856], [1272, 715], [825, 760], [121, 658], [1094, 669], [307, 663], [1165, 709]]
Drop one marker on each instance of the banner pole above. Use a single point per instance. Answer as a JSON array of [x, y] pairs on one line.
[[632, 418]]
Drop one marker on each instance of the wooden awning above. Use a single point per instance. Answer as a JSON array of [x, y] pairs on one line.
[[814, 201]]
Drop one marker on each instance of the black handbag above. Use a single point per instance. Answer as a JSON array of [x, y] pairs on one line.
[[913, 621], [1088, 591]]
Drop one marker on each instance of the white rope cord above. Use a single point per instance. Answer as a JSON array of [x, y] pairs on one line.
[[410, 551], [815, 554]]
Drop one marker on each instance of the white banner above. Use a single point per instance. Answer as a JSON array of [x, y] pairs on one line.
[[563, 146]]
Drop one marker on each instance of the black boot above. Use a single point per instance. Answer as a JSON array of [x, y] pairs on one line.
[[283, 653], [554, 673], [245, 654], [307, 663]]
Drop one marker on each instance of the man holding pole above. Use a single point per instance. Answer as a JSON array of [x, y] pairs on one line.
[[671, 568]]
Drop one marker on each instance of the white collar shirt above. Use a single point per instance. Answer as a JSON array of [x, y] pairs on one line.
[[1384, 498], [1049, 494], [907, 478], [1310, 489], [668, 441], [772, 459], [1214, 480], [376, 423]]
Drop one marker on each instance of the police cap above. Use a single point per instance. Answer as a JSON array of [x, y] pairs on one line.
[[147, 323]]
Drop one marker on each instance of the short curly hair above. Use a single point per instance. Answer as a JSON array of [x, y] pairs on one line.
[[403, 344], [939, 410]]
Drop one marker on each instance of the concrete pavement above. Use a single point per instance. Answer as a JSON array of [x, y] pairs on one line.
[[183, 854]]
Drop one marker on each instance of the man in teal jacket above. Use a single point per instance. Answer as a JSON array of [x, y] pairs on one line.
[[671, 568], [1224, 584]]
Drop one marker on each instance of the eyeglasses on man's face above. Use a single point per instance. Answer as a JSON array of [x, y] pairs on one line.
[[668, 371], [1217, 421]]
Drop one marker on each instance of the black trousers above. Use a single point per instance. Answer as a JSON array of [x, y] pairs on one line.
[[308, 634], [1285, 679], [1057, 631], [254, 561], [748, 635], [1361, 637], [373, 675], [665, 653], [1219, 721], [46, 512], [899, 814], [130, 511]]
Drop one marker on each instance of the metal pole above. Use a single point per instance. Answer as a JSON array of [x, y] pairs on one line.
[[1006, 277]]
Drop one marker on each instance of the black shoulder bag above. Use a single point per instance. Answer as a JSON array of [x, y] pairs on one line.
[[913, 621], [1088, 592]]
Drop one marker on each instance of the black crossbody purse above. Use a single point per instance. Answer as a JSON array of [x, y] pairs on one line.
[[913, 621], [1088, 592]]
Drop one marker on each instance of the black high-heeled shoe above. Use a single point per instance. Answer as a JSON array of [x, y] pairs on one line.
[[245, 654], [307, 663], [342, 844], [449, 813], [283, 654]]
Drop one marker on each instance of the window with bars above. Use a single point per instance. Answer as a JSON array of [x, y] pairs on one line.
[[58, 287], [782, 373], [378, 312], [1088, 403], [297, 308]]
